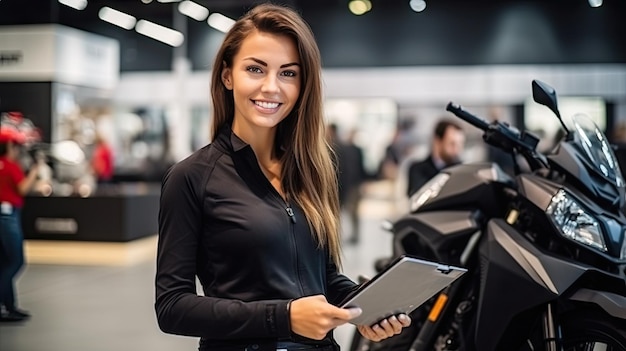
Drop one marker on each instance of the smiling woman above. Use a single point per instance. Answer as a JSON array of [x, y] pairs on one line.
[[254, 214], [265, 81]]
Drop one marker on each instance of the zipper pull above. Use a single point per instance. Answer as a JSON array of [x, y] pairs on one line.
[[291, 214]]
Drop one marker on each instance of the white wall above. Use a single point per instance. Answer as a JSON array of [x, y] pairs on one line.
[[476, 84], [427, 86], [56, 53], [467, 84]]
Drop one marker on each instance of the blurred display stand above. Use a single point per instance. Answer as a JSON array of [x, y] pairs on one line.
[[63, 79], [116, 225], [114, 213]]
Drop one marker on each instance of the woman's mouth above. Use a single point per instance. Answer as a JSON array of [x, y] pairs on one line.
[[267, 105]]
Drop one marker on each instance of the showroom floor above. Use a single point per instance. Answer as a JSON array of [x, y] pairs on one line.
[[105, 307]]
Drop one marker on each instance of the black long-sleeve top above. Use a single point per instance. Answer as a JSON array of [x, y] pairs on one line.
[[420, 173], [221, 220]]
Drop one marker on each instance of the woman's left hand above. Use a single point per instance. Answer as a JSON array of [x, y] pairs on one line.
[[385, 328]]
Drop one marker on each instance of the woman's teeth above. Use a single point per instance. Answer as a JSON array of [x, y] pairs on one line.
[[266, 104]]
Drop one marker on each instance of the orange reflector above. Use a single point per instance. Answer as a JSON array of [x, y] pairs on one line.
[[436, 311]]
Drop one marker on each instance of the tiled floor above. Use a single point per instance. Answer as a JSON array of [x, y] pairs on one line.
[[110, 308]]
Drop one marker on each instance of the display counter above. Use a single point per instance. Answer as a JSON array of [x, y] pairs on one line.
[[115, 213]]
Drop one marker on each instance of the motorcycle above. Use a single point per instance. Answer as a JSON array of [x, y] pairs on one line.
[[545, 248]]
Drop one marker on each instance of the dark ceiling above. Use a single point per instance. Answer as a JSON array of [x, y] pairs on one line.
[[448, 32], [33, 11]]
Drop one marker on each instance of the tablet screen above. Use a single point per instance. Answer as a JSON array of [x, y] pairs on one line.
[[403, 286]]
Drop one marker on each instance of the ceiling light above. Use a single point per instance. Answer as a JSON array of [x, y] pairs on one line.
[[193, 10], [75, 4], [117, 18], [595, 3], [359, 7], [163, 34], [417, 5], [146, 1], [220, 22]]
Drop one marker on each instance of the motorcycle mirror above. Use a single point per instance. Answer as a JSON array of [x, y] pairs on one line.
[[546, 95]]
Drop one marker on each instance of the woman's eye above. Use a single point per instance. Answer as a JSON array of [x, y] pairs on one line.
[[289, 73], [253, 69]]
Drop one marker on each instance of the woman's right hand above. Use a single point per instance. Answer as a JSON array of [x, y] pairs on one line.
[[313, 317]]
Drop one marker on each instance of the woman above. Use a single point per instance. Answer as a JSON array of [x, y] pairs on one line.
[[254, 214], [14, 184]]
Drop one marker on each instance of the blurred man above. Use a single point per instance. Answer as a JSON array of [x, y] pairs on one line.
[[351, 175], [447, 146]]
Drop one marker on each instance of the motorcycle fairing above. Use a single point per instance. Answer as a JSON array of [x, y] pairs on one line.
[[613, 304], [471, 186], [539, 191], [565, 160], [437, 232], [516, 277]]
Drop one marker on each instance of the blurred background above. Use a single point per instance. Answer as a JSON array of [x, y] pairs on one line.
[[134, 75]]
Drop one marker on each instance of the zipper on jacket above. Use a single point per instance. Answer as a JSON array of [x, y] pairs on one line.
[[290, 213], [292, 217], [283, 202]]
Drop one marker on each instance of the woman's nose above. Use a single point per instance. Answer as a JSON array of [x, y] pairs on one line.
[[270, 84]]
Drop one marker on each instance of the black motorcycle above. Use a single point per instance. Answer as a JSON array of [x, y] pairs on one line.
[[545, 249]]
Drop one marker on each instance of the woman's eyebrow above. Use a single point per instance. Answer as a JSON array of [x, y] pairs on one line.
[[263, 63]]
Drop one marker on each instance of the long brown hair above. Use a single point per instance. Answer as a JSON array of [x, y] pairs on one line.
[[308, 175]]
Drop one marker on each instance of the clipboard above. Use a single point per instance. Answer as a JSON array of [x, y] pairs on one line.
[[402, 287]]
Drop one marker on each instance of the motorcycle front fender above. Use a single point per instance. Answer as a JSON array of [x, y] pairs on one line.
[[613, 304], [517, 276]]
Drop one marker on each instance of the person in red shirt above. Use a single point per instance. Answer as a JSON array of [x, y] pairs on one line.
[[102, 161], [14, 184]]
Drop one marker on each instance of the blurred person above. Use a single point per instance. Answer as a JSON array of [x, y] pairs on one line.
[[351, 174], [14, 185], [388, 168], [396, 152], [102, 161], [254, 214], [446, 148]]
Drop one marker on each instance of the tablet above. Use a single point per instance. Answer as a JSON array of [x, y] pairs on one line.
[[403, 286]]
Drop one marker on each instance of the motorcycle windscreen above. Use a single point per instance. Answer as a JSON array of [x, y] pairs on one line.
[[596, 149]]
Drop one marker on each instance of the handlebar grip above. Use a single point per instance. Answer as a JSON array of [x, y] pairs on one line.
[[467, 117]]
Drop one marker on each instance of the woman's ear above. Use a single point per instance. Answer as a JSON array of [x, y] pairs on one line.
[[227, 77]]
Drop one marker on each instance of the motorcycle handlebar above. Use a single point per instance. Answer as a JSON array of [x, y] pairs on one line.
[[504, 136], [466, 116]]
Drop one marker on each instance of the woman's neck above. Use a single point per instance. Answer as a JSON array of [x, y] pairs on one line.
[[261, 140]]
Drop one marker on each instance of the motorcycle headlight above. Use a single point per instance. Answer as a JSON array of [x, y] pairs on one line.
[[428, 191], [574, 222]]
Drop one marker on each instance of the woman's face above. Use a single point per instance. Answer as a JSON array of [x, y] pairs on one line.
[[265, 80]]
